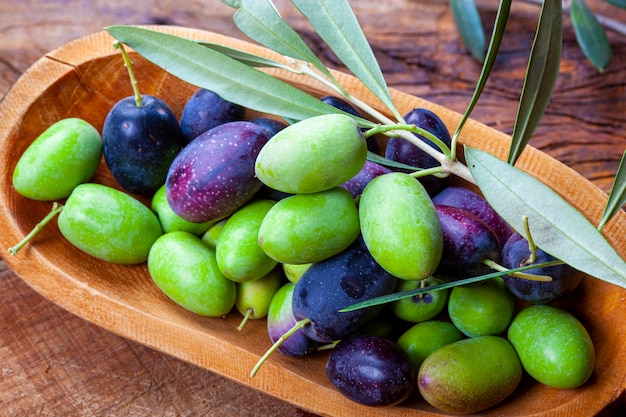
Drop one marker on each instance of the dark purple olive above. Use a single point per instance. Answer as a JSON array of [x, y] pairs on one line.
[[565, 279], [466, 199], [401, 150], [335, 283], [371, 371], [370, 170], [140, 143], [214, 174], [206, 110], [341, 104], [272, 126], [467, 240]]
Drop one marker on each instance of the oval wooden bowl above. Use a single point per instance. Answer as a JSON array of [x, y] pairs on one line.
[[85, 78]]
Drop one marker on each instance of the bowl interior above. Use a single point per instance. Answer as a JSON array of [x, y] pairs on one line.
[[84, 79]]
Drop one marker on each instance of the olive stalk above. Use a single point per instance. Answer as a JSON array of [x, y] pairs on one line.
[[531, 243], [299, 324], [56, 209], [128, 63]]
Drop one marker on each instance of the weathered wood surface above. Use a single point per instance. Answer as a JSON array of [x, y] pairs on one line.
[[53, 363]]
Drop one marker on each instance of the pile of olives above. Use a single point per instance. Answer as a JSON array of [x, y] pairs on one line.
[[293, 223]]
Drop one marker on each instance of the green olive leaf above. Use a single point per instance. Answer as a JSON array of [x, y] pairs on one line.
[[232, 3], [467, 19], [232, 80], [590, 35], [492, 52], [335, 22], [541, 75], [617, 196], [244, 57], [396, 296], [259, 20], [618, 3], [381, 160], [556, 226]]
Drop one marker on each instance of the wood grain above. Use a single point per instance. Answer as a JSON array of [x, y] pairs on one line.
[[56, 364]]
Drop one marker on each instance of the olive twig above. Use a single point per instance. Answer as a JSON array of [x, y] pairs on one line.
[[56, 209], [391, 130], [434, 171], [299, 324]]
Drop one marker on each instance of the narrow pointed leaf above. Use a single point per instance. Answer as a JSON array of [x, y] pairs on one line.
[[617, 196], [467, 19], [232, 3], [381, 160], [234, 81], [244, 57], [335, 22], [618, 3], [396, 296], [556, 226], [590, 35], [541, 75], [492, 52], [260, 21]]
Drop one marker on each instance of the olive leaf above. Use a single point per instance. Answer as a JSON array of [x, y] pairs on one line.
[[232, 80], [244, 57], [492, 52], [467, 19], [335, 22], [618, 3], [541, 75], [260, 21], [381, 160], [232, 3], [557, 227], [617, 196], [590, 35], [396, 296]]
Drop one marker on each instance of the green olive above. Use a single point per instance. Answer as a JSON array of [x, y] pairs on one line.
[[483, 309], [63, 156], [239, 256], [186, 270], [306, 228], [109, 224], [553, 345], [312, 155], [400, 226]]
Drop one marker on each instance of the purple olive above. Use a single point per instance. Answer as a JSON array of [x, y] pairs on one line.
[[272, 126], [565, 279], [206, 110], [214, 174], [371, 370], [140, 143], [476, 204], [467, 240], [370, 170], [401, 150]]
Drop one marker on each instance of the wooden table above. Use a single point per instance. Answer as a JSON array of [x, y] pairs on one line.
[[53, 363]]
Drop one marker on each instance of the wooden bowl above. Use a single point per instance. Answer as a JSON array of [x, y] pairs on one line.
[[85, 78]]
